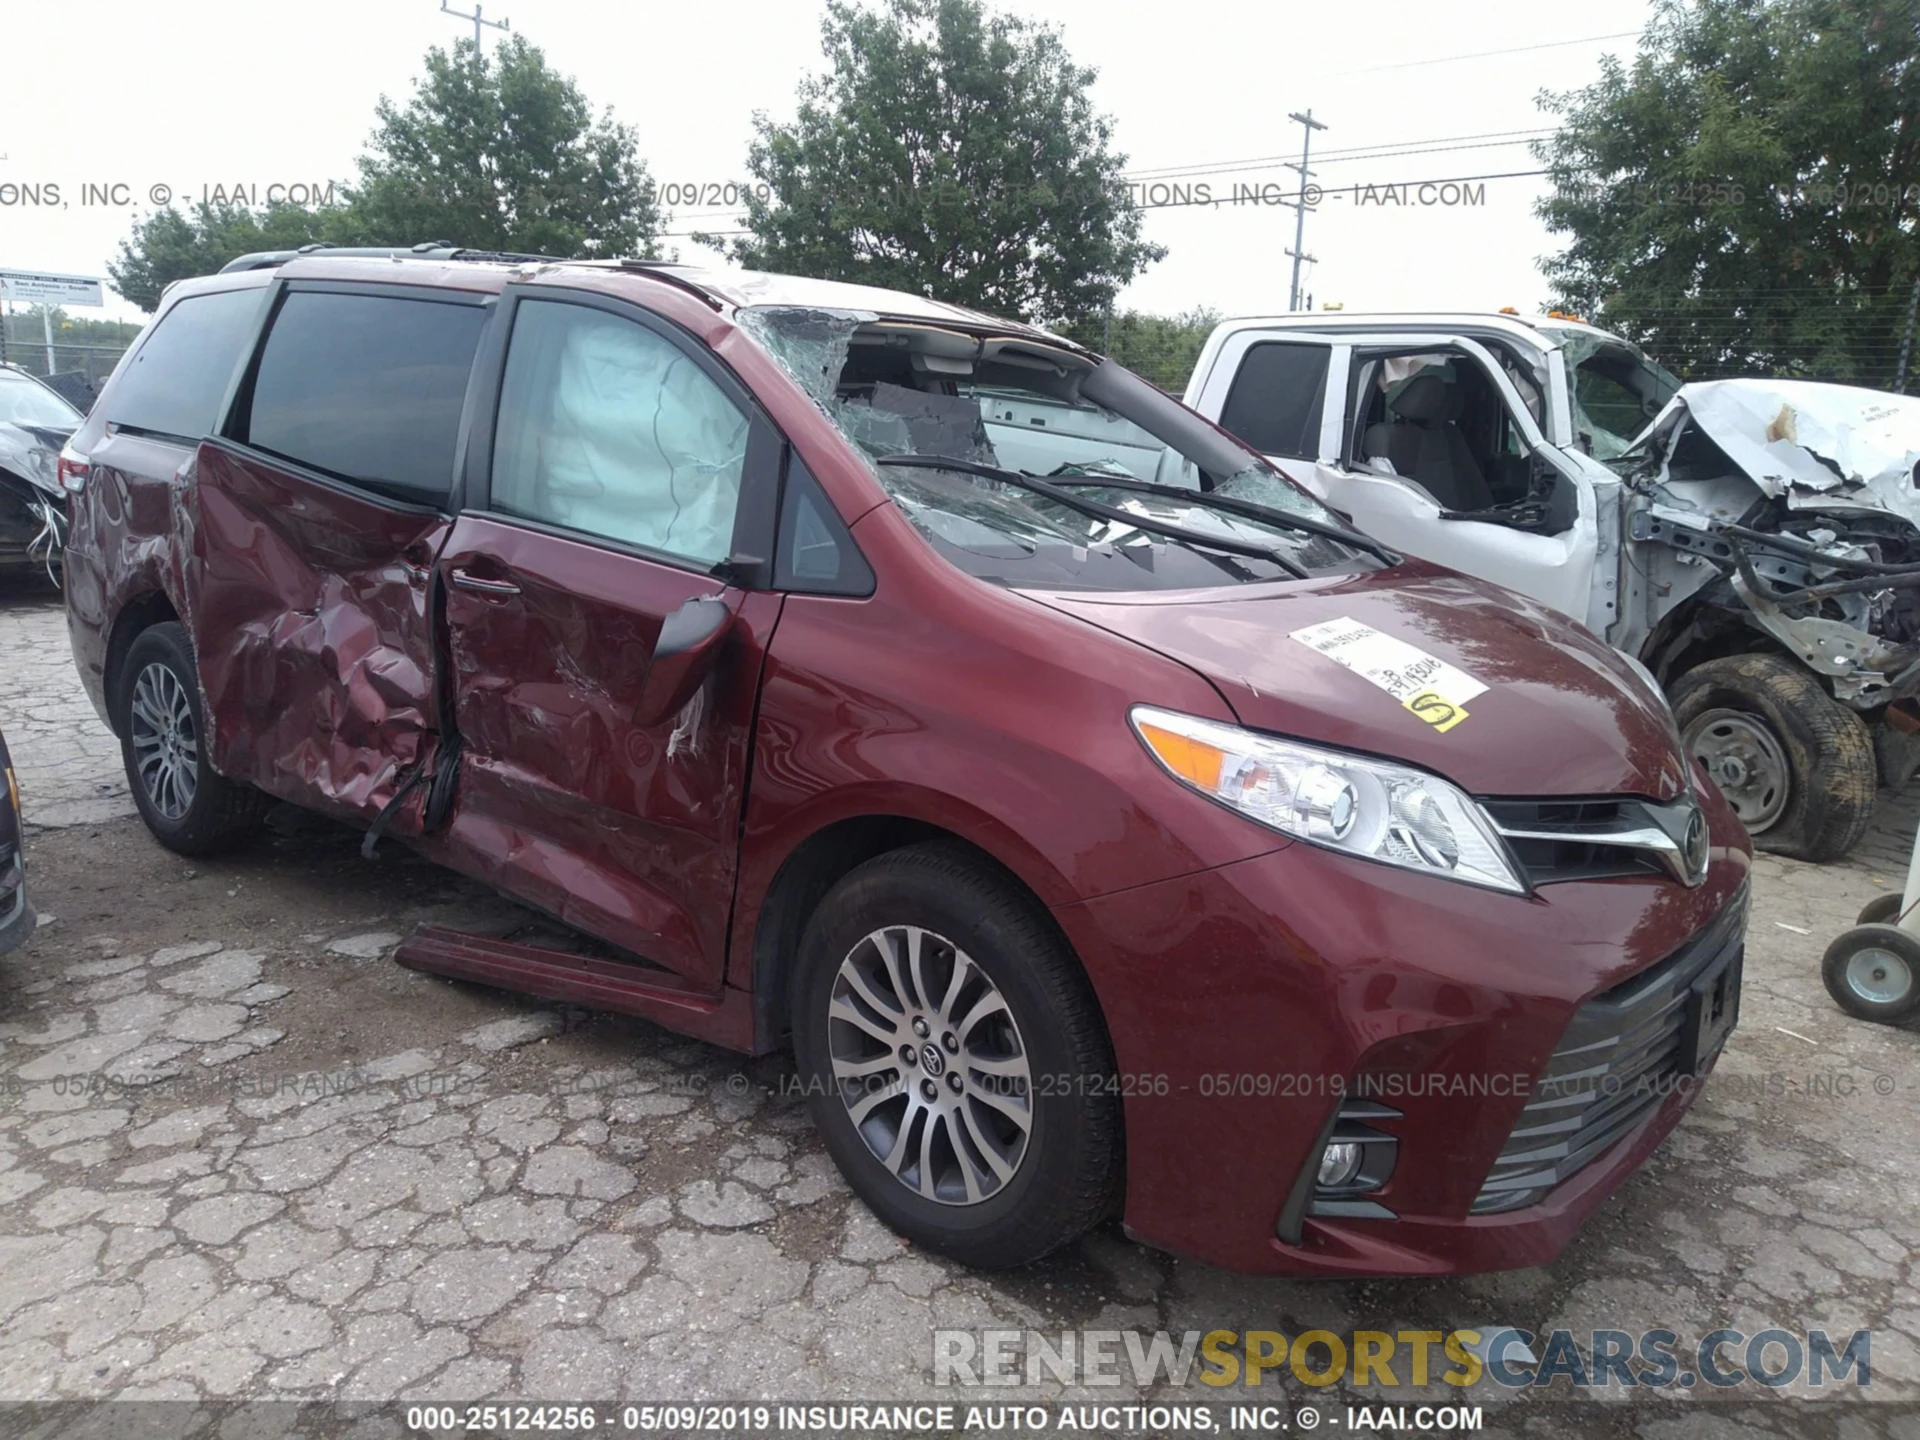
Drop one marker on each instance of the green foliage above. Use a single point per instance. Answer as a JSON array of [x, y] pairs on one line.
[[504, 154], [951, 152], [1160, 348], [168, 245], [492, 153], [1743, 197]]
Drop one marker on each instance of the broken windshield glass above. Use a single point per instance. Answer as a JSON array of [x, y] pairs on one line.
[[1023, 405]]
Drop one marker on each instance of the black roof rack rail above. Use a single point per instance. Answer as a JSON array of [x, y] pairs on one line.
[[426, 250]]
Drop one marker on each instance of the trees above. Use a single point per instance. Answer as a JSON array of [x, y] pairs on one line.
[[951, 152], [169, 245], [503, 154], [493, 153], [1744, 196], [1160, 348]]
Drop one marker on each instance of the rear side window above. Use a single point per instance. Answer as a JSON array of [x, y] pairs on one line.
[[1276, 399], [174, 384], [367, 389]]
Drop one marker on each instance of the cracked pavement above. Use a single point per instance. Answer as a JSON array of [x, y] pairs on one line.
[[242, 1154]]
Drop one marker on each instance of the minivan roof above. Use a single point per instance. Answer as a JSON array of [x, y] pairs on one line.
[[720, 285]]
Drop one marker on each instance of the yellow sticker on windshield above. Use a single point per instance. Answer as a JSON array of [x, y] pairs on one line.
[[1434, 708]]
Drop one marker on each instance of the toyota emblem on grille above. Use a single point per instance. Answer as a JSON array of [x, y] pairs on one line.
[[1693, 848]]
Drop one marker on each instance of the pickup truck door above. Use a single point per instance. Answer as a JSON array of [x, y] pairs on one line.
[[1556, 568], [607, 613], [311, 525]]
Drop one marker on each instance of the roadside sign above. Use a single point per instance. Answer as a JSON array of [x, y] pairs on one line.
[[33, 287]]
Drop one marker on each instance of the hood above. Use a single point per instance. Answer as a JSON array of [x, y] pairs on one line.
[[1518, 701], [1819, 446]]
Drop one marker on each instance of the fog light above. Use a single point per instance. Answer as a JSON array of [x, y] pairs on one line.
[[1339, 1165]]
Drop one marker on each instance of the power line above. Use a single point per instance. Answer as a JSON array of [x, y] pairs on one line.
[[1484, 54], [1358, 151]]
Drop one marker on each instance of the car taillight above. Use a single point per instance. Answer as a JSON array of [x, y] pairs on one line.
[[74, 470]]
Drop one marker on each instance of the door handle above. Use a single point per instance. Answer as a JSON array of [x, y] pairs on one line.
[[463, 580]]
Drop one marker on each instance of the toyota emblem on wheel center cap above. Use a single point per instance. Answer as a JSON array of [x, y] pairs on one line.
[[931, 1057]]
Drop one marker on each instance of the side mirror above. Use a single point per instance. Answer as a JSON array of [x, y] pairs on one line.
[[683, 657]]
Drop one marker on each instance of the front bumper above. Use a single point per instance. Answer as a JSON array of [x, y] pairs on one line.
[[1245, 1003]]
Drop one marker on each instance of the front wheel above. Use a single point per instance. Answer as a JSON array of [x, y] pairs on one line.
[[954, 1059], [1797, 767], [187, 804]]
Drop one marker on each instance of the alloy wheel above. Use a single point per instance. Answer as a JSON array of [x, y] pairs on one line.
[[166, 747], [929, 1062]]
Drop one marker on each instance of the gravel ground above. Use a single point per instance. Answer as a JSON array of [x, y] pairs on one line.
[[340, 1179]]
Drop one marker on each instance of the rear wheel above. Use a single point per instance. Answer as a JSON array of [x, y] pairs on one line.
[[187, 805], [1797, 767], [954, 1059]]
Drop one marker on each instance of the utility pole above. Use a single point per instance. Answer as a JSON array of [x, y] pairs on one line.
[[446, 9], [1906, 339], [1298, 252]]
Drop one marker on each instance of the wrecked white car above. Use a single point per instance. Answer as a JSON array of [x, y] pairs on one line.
[[34, 423], [1752, 542]]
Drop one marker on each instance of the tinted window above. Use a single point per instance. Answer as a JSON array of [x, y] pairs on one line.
[[175, 382], [367, 388], [609, 428], [1276, 398]]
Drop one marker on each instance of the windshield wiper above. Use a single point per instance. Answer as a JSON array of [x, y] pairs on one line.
[[1098, 511], [1246, 509]]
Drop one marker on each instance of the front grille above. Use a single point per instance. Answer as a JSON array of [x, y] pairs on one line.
[[1624, 1052], [1594, 839]]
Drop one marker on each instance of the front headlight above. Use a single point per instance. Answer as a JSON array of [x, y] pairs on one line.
[[1390, 813]]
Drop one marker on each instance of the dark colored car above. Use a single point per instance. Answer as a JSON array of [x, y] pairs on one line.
[[1103, 823], [35, 421], [17, 919]]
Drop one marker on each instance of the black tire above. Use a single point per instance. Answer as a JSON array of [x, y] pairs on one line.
[[1066, 1179], [1873, 973], [219, 812], [1881, 910], [1824, 749]]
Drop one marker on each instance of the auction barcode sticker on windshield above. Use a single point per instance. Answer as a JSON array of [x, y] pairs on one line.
[[1424, 684]]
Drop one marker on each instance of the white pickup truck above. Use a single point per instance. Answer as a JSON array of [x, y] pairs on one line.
[[1753, 543]]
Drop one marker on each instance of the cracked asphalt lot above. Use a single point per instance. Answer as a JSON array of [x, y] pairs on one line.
[[243, 1154]]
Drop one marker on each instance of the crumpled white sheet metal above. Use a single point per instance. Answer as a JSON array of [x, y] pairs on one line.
[[1813, 443]]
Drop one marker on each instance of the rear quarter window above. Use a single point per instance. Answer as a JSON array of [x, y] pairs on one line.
[[367, 389], [1277, 397], [175, 382]]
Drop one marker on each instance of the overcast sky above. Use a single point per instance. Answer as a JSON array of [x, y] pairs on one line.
[[196, 93]]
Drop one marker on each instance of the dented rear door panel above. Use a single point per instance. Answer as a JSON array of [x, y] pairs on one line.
[[308, 605]]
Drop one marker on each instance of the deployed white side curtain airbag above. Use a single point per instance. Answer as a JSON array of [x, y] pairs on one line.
[[636, 443]]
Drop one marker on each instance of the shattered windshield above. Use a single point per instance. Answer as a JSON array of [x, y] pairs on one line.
[[1615, 391], [1098, 437]]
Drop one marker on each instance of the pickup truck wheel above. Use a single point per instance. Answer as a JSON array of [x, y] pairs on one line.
[[187, 805], [954, 1059], [1797, 766]]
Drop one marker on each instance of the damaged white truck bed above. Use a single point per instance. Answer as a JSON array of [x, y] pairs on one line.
[[1755, 543]]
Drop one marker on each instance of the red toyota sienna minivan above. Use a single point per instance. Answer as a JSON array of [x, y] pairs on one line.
[[1105, 824]]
